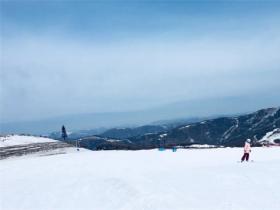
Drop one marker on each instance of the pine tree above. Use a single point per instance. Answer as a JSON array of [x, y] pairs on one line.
[[63, 133]]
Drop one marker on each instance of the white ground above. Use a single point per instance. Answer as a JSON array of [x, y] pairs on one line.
[[13, 140], [200, 179]]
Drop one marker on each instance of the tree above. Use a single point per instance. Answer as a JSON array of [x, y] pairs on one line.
[[63, 133]]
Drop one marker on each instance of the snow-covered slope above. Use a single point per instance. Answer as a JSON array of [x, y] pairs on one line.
[[208, 179], [271, 136], [12, 140], [18, 145]]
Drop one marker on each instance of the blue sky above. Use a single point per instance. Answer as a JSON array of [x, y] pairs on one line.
[[107, 20], [63, 57]]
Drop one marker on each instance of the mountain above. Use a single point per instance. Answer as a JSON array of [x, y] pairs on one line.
[[272, 137], [154, 128], [123, 133], [101, 143], [180, 110], [72, 135], [260, 126], [118, 138], [226, 131]]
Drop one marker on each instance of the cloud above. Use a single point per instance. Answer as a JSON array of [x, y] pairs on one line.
[[46, 73]]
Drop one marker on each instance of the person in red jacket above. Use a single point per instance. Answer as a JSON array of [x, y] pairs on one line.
[[247, 150]]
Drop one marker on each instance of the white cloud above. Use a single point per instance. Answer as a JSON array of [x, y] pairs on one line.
[[59, 75]]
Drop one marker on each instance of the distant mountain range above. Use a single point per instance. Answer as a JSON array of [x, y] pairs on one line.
[[222, 131], [77, 134], [125, 132], [226, 131], [188, 109]]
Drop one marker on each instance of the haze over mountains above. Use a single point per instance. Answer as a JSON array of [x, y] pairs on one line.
[[180, 110]]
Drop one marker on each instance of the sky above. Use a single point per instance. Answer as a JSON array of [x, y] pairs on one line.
[[69, 57]]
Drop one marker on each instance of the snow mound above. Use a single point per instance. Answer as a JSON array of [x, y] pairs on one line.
[[13, 140]]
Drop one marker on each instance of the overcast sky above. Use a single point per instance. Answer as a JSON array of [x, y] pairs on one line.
[[62, 57]]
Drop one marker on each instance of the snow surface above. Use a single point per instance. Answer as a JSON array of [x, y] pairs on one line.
[[187, 126], [206, 179], [114, 140], [271, 136], [202, 146], [12, 140], [163, 135]]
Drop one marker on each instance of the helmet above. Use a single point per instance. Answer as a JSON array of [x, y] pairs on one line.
[[248, 140]]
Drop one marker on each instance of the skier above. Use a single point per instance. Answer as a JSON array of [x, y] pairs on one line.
[[247, 150]]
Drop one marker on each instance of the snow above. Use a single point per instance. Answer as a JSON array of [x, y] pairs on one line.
[[271, 136], [187, 126], [114, 140], [59, 151], [163, 135], [202, 146], [227, 134], [199, 179], [12, 140], [31, 146]]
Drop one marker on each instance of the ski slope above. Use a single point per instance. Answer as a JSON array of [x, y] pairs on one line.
[[198, 179], [20, 145], [13, 140]]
